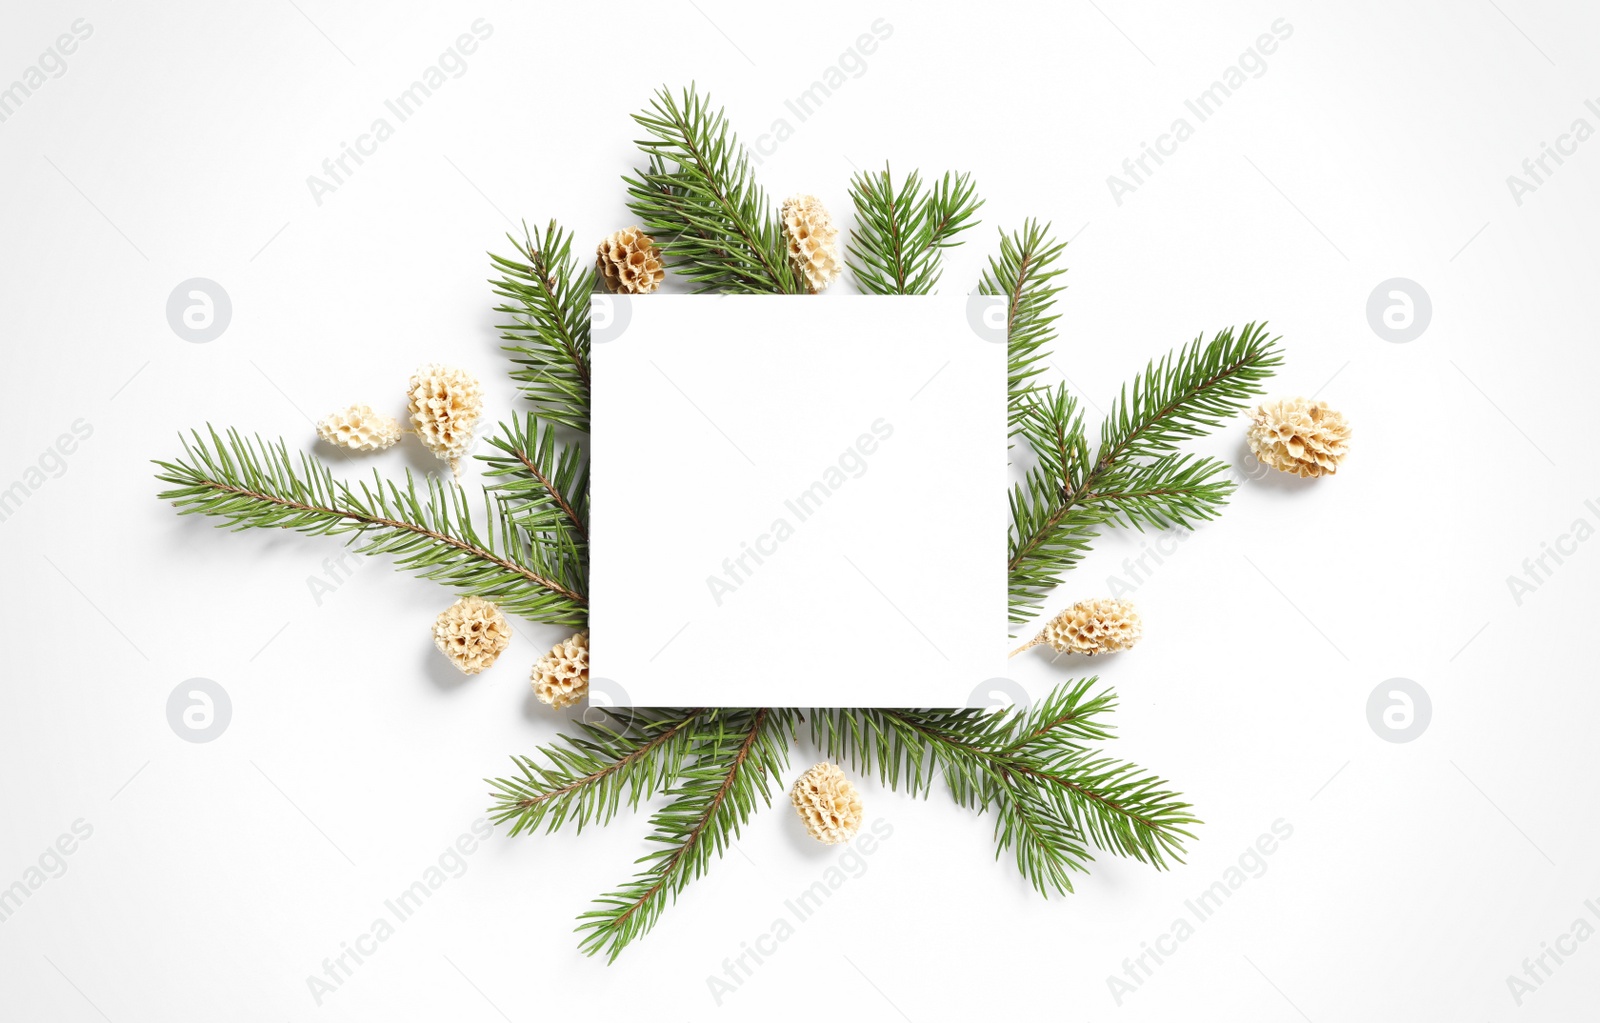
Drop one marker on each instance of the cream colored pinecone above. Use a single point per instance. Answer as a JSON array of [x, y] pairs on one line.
[[445, 405], [472, 633], [358, 428], [813, 240], [1103, 625], [561, 677], [828, 803], [1299, 436], [629, 262]]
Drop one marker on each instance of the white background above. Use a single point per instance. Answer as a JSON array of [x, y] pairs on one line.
[[1376, 145]]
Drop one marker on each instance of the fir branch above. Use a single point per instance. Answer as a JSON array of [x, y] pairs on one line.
[[962, 746], [545, 484], [1051, 530], [256, 484], [546, 296], [739, 756], [1119, 806], [1061, 504], [1022, 273], [899, 232], [585, 778], [1067, 713], [698, 200], [1188, 393], [1116, 805], [1050, 420], [1030, 820], [1178, 490], [1050, 791], [895, 744]]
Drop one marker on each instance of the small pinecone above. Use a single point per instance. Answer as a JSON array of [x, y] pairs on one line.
[[561, 677], [472, 633], [813, 240], [1299, 436], [628, 262], [445, 405], [358, 428], [828, 803], [1103, 625]]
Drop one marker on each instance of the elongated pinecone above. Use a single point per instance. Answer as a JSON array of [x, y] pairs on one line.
[[1299, 436], [629, 263], [472, 633], [828, 804], [813, 241], [561, 677], [1103, 625], [359, 428]]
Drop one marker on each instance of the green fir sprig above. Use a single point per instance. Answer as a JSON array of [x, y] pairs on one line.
[[697, 197], [901, 230], [1024, 273], [585, 778], [545, 295], [544, 483], [1051, 792], [255, 483], [741, 756], [1135, 476]]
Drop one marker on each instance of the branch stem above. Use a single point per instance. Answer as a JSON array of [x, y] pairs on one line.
[[378, 520]]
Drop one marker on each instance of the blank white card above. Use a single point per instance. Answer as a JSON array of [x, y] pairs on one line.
[[797, 500]]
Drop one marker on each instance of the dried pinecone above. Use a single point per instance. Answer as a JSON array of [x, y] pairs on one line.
[[358, 428], [628, 262], [1299, 436], [1103, 625], [813, 240], [445, 405], [561, 677], [472, 633], [828, 803]]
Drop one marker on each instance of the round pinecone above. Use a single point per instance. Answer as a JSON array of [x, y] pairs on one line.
[[628, 262], [358, 428], [1299, 436], [561, 677], [472, 633], [1103, 625], [813, 240], [828, 803], [445, 405]]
